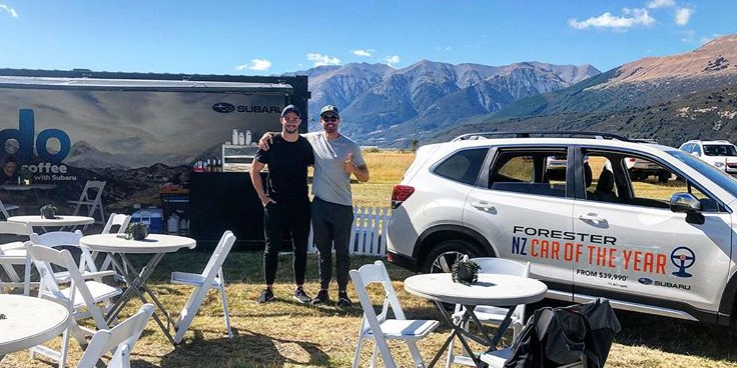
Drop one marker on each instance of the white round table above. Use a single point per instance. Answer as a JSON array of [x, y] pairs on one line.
[[29, 322], [157, 245], [491, 289], [154, 243], [60, 221]]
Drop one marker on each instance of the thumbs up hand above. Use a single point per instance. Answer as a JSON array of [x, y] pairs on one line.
[[348, 165]]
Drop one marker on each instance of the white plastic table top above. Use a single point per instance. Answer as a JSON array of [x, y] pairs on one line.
[[22, 187], [29, 321], [154, 243], [61, 220], [491, 289]]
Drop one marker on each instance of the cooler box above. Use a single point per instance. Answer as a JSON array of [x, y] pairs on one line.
[[152, 217]]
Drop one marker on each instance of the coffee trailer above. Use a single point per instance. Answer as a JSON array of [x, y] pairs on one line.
[[137, 130]]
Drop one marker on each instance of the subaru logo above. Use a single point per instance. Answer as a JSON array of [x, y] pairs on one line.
[[683, 258], [223, 107], [645, 281]]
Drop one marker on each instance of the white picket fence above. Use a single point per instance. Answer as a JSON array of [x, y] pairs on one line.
[[367, 235]]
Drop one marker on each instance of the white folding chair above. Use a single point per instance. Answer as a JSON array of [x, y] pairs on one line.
[[14, 254], [68, 239], [91, 197], [6, 208], [210, 278], [491, 314], [380, 327], [81, 297], [119, 340], [121, 221]]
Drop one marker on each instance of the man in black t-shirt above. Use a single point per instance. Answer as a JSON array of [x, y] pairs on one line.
[[285, 200]]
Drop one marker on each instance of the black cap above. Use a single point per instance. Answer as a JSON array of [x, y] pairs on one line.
[[290, 108]]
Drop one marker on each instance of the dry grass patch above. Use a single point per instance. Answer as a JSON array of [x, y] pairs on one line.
[[285, 333]]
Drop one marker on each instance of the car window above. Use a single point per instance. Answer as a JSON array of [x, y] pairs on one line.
[[538, 172], [697, 149], [687, 147], [463, 166], [637, 181], [720, 150], [600, 179]]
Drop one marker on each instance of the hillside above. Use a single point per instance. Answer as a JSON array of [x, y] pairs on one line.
[[705, 115]]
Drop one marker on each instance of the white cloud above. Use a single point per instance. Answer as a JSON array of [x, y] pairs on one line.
[[661, 4], [364, 52], [321, 60], [255, 64], [393, 59], [704, 40], [682, 16], [9, 10], [629, 19], [443, 48]]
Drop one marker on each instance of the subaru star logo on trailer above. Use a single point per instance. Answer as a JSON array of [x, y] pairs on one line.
[[223, 107]]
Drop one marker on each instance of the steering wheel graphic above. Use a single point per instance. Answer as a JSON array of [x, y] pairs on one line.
[[683, 260]]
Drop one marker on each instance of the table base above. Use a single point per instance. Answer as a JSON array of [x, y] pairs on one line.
[[136, 282], [462, 334]]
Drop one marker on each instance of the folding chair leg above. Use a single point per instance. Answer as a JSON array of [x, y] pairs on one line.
[[386, 354], [374, 354], [189, 311], [451, 356], [226, 313], [415, 352], [357, 355], [27, 277]]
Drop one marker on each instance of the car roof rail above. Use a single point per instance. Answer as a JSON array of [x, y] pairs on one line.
[[526, 134]]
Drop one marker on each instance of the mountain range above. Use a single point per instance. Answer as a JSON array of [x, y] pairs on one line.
[[671, 98], [384, 106]]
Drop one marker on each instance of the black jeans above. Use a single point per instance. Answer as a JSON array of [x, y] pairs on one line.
[[331, 227], [291, 215]]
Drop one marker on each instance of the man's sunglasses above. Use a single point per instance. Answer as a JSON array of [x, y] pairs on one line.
[[331, 118]]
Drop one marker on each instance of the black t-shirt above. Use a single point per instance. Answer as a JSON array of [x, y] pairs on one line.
[[287, 163]]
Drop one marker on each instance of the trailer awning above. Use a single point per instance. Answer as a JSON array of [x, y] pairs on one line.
[[143, 85]]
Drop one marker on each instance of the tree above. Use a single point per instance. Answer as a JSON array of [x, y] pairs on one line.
[[413, 145]]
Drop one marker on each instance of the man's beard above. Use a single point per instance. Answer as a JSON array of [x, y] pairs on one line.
[[291, 130], [331, 128]]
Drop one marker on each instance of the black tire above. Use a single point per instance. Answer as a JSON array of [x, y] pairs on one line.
[[443, 255], [663, 177]]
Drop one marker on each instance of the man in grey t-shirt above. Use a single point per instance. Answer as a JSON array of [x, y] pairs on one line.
[[336, 158]]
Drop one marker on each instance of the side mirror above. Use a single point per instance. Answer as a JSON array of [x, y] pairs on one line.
[[695, 154], [683, 202]]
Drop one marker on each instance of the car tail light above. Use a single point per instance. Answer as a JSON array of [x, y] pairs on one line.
[[633, 159], [400, 194]]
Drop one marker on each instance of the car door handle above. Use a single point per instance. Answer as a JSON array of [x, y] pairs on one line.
[[483, 206], [592, 217]]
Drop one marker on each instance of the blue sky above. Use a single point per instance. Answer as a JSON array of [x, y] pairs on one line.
[[272, 37]]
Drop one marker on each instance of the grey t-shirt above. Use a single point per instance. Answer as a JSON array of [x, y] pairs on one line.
[[330, 182]]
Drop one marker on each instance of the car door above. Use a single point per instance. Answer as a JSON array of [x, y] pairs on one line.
[[523, 210], [634, 248]]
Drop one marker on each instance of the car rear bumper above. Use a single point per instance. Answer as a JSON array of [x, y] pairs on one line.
[[402, 261]]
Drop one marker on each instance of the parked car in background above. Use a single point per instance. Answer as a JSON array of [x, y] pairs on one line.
[[642, 169], [720, 154], [596, 232]]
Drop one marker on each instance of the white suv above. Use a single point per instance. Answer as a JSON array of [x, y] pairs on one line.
[[666, 249], [720, 154]]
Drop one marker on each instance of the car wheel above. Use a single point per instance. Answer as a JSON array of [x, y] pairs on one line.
[[442, 256], [663, 177]]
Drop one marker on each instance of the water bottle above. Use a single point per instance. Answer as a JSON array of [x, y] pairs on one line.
[[235, 137], [172, 224], [241, 139], [248, 137]]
